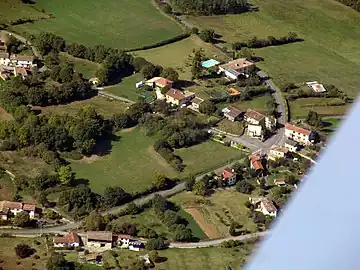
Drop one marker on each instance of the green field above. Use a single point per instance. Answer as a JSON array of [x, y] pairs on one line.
[[176, 55], [102, 105], [329, 53], [86, 67], [132, 162], [219, 210], [257, 103], [331, 125], [300, 107], [120, 24], [9, 260]]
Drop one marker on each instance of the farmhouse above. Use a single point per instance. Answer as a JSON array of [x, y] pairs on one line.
[[236, 67], [101, 239], [291, 145], [264, 205], [72, 239], [232, 113], [13, 208], [277, 152], [299, 134], [177, 97], [159, 82], [195, 103], [22, 61]]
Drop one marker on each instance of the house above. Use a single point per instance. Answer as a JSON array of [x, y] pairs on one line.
[[99, 239], [267, 207], [298, 134], [94, 80], [8, 208], [255, 131], [72, 239], [4, 59], [26, 61], [228, 176], [177, 97], [277, 152], [159, 82], [291, 145], [232, 113], [256, 162], [236, 67], [256, 118], [280, 182], [125, 241], [20, 71], [195, 103], [264, 205], [317, 87]]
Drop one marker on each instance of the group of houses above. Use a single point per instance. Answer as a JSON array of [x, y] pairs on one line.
[[11, 209], [13, 64], [98, 241]]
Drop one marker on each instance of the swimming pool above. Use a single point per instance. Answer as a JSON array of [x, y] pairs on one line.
[[210, 63]]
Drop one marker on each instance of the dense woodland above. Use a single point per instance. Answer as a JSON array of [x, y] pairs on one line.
[[210, 7], [355, 4]]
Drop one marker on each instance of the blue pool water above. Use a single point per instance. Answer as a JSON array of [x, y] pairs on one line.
[[209, 63]]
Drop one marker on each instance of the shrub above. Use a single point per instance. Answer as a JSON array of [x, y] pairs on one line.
[[23, 250]]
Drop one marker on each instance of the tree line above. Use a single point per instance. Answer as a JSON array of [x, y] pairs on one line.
[[355, 4], [212, 7], [254, 42]]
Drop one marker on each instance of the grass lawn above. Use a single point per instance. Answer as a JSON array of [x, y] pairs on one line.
[[86, 67], [176, 54], [102, 105], [231, 127], [331, 125], [126, 88], [21, 165], [131, 164], [213, 155], [257, 103], [219, 210], [120, 24], [7, 189], [9, 260], [300, 107], [329, 53], [213, 258]]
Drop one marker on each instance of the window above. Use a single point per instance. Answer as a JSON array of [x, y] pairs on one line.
[[102, 245]]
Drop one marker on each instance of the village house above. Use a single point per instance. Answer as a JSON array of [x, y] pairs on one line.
[[125, 241], [298, 134], [99, 239], [195, 103], [8, 209], [159, 83], [317, 87], [256, 162], [255, 131], [256, 118], [177, 97], [277, 152], [232, 114], [26, 61], [71, 239], [237, 67], [291, 145], [228, 177], [264, 205]]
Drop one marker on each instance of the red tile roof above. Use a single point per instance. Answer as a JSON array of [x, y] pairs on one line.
[[254, 115], [29, 207], [238, 64], [175, 94], [228, 173], [256, 162], [71, 237], [12, 205], [297, 129]]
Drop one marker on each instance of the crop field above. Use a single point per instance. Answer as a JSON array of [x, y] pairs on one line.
[[176, 55], [122, 24], [216, 213], [329, 52], [300, 107], [102, 105]]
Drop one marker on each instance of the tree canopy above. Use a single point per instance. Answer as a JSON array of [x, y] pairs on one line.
[[212, 6]]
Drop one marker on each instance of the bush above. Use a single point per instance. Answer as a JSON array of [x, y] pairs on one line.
[[23, 250]]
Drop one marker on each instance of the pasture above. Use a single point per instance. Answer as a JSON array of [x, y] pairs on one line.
[[121, 24], [86, 67], [328, 54], [215, 213]]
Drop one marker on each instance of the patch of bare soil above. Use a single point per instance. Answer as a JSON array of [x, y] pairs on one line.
[[90, 159], [208, 229]]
